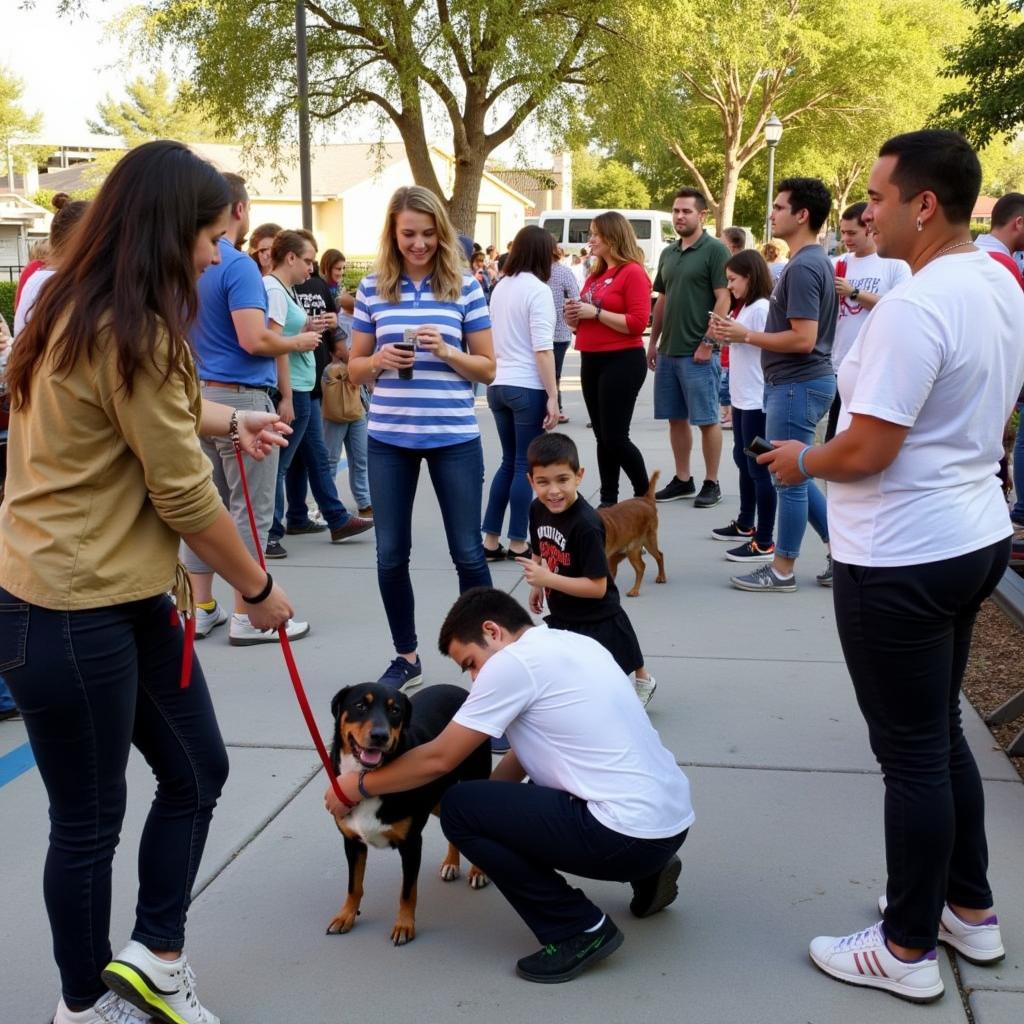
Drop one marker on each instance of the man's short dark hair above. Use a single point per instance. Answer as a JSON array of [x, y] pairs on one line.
[[736, 236], [236, 188], [465, 621], [550, 449], [699, 199], [855, 212], [810, 194], [936, 161], [1007, 208]]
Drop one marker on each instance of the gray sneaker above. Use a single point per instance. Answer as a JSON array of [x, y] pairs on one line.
[[764, 581], [825, 578]]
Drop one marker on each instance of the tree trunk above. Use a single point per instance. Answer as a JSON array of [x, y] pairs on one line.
[[469, 170], [727, 199]]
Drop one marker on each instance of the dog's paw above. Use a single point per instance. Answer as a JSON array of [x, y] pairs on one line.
[[661, 578], [477, 879], [635, 592], [343, 921], [449, 871], [404, 931]]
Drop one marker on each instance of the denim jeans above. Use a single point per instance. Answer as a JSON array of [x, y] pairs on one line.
[[906, 636], [353, 435], [792, 411], [757, 492], [307, 437], [519, 418], [6, 700], [90, 685], [522, 837], [1017, 512], [561, 347], [457, 473]]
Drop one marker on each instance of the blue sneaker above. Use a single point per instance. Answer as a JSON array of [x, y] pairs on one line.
[[402, 675]]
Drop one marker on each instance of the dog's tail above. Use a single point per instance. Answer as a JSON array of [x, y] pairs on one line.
[[651, 487]]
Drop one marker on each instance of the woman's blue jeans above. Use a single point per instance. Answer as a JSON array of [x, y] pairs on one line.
[[457, 473], [792, 411], [353, 435], [519, 417], [1017, 512], [90, 685], [307, 437]]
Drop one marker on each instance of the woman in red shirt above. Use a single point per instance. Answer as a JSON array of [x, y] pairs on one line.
[[609, 322]]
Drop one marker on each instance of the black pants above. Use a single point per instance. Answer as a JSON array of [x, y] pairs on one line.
[[611, 382], [906, 635], [561, 347], [90, 685], [521, 836], [757, 492]]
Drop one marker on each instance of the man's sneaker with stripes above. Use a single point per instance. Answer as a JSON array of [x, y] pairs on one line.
[[864, 959], [165, 989], [750, 552], [981, 944], [764, 581]]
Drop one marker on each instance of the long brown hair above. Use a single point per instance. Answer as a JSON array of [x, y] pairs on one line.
[[128, 270], [749, 263], [619, 236]]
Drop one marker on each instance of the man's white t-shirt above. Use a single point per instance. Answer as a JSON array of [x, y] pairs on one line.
[[942, 354], [576, 725], [522, 322], [29, 293], [746, 378], [873, 274]]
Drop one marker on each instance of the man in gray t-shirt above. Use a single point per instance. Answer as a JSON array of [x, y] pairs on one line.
[[799, 384]]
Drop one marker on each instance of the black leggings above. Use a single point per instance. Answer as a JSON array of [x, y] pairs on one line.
[[906, 634], [611, 382], [91, 685]]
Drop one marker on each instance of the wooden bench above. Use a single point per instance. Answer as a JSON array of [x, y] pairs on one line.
[[1009, 596]]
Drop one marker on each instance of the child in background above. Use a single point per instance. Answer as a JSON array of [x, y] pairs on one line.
[[352, 434], [569, 566]]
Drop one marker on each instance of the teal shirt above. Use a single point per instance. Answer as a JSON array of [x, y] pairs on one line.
[[284, 310]]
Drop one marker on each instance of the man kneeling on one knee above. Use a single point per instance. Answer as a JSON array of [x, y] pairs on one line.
[[607, 800]]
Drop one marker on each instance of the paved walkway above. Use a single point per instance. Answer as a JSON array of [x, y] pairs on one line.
[[754, 700]]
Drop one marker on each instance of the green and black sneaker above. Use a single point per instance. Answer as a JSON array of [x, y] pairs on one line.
[[562, 961]]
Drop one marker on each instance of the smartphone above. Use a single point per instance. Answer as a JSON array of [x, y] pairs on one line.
[[759, 446]]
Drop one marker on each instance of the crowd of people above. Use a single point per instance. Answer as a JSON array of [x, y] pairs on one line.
[[181, 350]]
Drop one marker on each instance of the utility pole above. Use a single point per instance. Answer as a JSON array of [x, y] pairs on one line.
[[305, 183]]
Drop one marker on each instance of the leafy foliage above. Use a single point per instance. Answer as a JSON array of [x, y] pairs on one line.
[[607, 183], [990, 102], [15, 122]]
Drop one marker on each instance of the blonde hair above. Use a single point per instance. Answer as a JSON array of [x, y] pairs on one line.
[[447, 273], [776, 245], [619, 236]]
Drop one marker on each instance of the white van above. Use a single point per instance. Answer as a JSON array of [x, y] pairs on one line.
[[653, 229]]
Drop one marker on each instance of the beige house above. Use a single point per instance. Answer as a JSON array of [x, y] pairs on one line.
[[351, 185]]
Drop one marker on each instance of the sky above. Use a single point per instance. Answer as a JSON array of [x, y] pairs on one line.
[[67, 65]]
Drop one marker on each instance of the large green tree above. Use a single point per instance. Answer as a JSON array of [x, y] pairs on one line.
[[990, 65], [474, 70], [152, 109], [17, 125], [606, 183], [704, 76]]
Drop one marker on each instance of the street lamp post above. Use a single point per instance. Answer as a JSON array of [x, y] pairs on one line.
[[305, 183], [772, 134]]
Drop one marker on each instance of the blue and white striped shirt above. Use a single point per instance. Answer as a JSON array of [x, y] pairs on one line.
[[435, 408]]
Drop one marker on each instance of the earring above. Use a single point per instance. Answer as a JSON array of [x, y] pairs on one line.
[[920, 226]]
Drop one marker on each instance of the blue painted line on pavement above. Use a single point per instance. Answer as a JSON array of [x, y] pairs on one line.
[[16, 763]]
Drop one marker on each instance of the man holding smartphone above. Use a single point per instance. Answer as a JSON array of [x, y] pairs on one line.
[[800, 384]]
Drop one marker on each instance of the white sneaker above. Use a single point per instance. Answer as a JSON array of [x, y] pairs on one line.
[[645, 688], [981, 944], [864, 959], [164, 989], [242, 633], [316, 517], [109, 1009], [206, 621]]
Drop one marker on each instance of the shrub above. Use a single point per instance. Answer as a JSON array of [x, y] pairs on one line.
[[7, 289]]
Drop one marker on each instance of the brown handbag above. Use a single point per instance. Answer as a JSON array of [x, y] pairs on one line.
[[341, 401]]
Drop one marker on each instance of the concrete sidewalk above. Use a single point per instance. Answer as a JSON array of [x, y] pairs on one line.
[[754, 700]]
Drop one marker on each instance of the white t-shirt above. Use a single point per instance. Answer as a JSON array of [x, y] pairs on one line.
[[942, 354], [870, 274], [575, 724], [522, 322], [746, 378], [27, 299]]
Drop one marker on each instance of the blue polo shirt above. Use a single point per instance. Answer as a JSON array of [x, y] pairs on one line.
[[235, 283]]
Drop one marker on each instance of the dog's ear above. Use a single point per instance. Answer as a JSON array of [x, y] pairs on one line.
[[406, 709], [337, 703], [337, 700]]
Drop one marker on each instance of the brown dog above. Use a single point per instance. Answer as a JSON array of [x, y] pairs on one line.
[[629, 527]]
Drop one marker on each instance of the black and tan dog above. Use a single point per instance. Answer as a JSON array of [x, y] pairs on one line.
[[374, 724]]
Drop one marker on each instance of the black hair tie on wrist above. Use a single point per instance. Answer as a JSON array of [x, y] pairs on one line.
[[263, 594]]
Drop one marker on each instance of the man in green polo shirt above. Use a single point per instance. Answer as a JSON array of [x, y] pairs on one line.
[[687, 371]]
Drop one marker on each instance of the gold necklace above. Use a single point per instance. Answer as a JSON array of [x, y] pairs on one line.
[[948, 248]]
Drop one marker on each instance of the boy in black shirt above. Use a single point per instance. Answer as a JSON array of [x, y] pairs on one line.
[[569, 565]]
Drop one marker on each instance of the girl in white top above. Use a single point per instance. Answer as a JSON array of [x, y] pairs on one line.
[[524, 395], [750, 283], [921, 535]]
